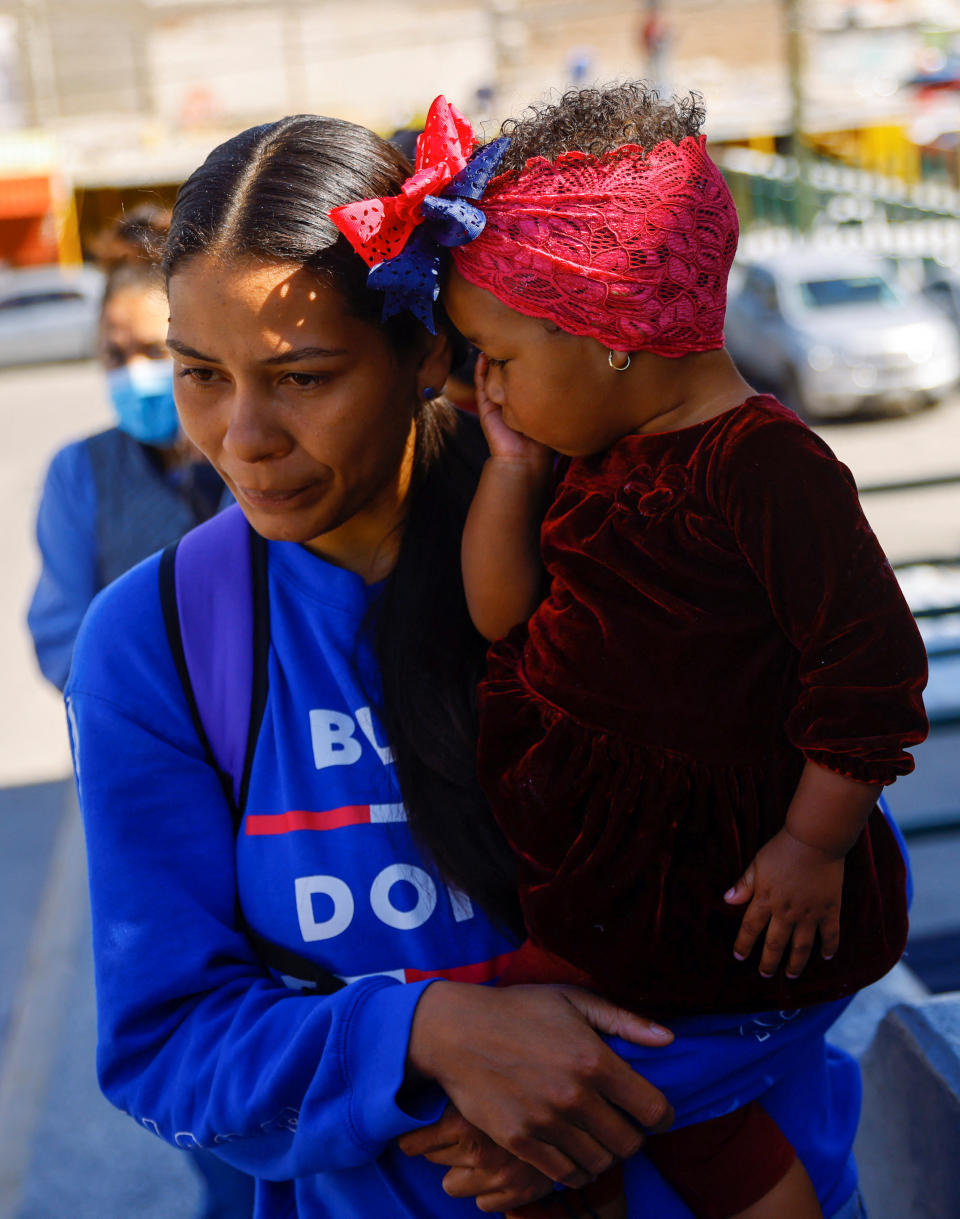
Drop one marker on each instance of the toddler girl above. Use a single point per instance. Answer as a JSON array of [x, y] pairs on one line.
[[702, 670]]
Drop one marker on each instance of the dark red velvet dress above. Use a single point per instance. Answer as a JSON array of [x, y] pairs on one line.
[[718, 612]]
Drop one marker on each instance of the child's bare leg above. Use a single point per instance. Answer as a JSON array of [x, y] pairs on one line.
[[792, 1197]]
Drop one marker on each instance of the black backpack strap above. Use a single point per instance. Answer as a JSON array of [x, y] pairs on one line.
[[261, 659], [293, 965]]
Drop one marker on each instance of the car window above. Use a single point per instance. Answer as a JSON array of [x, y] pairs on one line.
[[31, 300], [847, 290]]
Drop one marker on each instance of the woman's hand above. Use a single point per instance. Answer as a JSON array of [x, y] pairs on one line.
[[504, 443], [479, 1168], [525, 1064]]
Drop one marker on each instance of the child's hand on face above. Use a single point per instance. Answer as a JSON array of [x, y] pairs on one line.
[[794, 892], [503, 441]]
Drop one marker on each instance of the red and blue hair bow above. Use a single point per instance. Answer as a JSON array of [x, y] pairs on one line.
[[400, 237]]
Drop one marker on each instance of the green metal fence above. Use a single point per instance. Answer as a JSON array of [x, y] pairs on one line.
[[771, 196]]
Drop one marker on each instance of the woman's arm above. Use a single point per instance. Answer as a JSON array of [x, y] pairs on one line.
[[527, 1066], [196, 1039], [69, 579], [502, 573], [715, 1064], [199, 1043]]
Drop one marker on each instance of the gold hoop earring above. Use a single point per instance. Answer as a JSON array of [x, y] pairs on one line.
[[618, 367]]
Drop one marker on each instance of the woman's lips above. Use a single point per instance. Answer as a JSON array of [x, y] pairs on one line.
[[273, 499]]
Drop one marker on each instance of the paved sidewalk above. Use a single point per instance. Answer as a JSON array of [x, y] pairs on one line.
[[65, 1153], [41, 409]]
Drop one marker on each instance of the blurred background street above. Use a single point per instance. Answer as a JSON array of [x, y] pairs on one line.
[[837, 123]]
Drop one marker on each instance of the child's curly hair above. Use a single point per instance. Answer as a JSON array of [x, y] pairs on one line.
[[598, 120]]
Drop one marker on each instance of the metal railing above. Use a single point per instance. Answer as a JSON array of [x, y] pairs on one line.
[[943, 722], [849, 207]]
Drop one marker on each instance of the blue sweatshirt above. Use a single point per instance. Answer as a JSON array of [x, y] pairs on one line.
[[69, 579], [203, 1046], [106, 504]]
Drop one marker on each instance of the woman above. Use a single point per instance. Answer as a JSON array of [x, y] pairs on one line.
[[111, 499], [326, 426]]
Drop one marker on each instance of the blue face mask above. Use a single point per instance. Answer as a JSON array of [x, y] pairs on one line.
[[142, 396]]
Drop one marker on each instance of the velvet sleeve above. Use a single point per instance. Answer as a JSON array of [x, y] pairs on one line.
[[795, 514]]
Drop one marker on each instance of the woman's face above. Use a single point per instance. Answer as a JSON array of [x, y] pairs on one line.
[[306, 411], [133, 324]]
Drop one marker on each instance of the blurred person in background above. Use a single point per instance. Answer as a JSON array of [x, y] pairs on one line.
[[113, 498]]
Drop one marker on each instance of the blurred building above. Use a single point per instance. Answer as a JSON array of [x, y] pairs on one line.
[[132, 94], [136, 92], [38, 221]]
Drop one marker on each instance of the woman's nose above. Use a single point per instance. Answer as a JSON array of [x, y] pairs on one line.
[[253, 432]]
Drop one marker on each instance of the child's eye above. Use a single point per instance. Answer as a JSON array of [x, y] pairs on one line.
[[495, 363]]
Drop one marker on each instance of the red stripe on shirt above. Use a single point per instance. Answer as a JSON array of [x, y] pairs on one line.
[[483, 971], [298, 819]]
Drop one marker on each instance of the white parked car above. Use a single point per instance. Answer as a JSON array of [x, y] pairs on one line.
[[943, 290], [834, 333], [49, 313]]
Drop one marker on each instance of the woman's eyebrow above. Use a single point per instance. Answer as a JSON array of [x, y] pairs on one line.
[[285, 357], [190, 352], [304, 353]]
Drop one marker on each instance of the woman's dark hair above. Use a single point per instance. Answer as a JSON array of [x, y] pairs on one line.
[[266, 194], [130, 250], [598, 120], [430, 659]]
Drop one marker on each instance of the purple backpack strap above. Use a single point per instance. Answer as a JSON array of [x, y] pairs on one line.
[[216, 609], [214, 597]]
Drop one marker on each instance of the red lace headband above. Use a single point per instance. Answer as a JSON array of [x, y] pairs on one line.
[[631, 248]]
